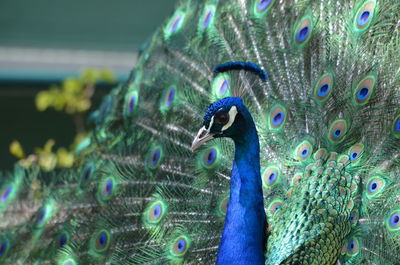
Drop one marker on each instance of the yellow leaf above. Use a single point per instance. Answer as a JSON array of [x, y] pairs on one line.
[[82, 105], [72, 86], [64, 158], [46, 149], [47, 161], [107, 76], [42, 100], [16, 149], [49, 145], [90, 75], [28, 162]]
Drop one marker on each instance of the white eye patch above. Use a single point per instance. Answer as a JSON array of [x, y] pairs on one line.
[[211, 124], [232, 115]]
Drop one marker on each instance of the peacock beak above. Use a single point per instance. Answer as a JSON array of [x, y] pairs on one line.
[[202, 136]]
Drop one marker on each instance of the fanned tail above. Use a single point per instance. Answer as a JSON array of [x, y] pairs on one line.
[[329, 127]]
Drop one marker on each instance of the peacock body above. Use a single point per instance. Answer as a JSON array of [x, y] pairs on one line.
[[309, 93]]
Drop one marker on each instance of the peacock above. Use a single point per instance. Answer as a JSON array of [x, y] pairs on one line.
[[308, 93]]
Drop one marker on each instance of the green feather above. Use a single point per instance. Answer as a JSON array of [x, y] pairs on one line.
[[328, 126]]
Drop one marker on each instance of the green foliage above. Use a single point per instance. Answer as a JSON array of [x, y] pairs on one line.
[[74, 98], [74, 94]]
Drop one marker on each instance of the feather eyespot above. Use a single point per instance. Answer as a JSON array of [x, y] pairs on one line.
[[396, 127], [63, 240], [364, 90], [223, 205], [296, 180], [375, 186], [262, 7], [41, 216], [207, 18], [102, 241], [362, 93], [263, 4], [6, 193], [106, 189], [69, 262], [355, 152], [364, 16], [320, 154], [87, 173], [353, 247], [4, 246], [323, 88], [304, 153], [270, 176], [338, 131], [277, 117], [155, 212], [169, 99], [393, 220], [180, 246], [175, 24], [211, 157], [353, 218], [304, 150], [131, 102], [303, 31], [155, 157], [274, 206], [221, 86]]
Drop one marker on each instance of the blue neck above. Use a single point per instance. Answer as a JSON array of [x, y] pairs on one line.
[[245, 224]]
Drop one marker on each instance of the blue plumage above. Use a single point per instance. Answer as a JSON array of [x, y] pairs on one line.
[[245, 210], [247, 66], [309, 177]]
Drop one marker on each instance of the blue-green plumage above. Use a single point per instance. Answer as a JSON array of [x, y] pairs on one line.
[[312, 173]]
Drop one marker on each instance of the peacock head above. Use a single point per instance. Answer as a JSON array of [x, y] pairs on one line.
[[226, 117]]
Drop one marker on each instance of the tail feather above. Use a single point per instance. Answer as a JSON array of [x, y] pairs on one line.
[[328, 124]]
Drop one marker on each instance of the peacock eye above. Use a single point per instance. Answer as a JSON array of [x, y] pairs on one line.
[[221, 118]]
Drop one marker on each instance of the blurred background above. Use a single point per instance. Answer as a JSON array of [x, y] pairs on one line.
[[57, 59]]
